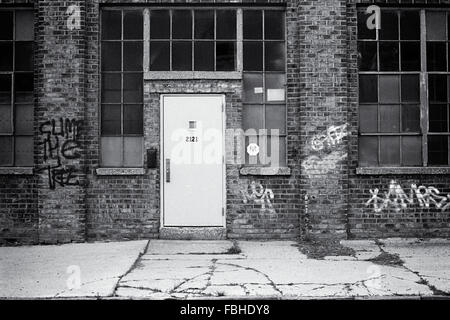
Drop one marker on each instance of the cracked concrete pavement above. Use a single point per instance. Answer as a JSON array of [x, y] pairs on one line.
[[160, 269]]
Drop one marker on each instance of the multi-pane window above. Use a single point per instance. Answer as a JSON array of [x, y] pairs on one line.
[[16, 87], [404, 121], [122, 88], [264, 81], [192, 40]]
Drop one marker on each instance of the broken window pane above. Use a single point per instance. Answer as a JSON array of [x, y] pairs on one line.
[[368, 151], [24, 87], [368, 118], [411, 151], [437, 115], [390, 151], [159, 56], [6, 25], [253, 56], [410, 56], [409, 25], [6, 56], [436, 56], [225, 54], [204, 24], [252, 24], [181, 24], [437, 150], [204, 56], [182, 56], [159, 24], [389, 56]]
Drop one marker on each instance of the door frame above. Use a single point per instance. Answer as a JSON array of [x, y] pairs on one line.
[[162, 150]]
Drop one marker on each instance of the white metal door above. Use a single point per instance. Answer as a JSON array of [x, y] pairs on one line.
[[192, 163]]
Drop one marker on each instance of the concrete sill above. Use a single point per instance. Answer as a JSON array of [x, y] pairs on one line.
[[401, 170], [120, 171], [265, 171], [192, 75], [23, 171]]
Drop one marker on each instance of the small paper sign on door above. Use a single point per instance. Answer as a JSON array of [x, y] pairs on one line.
[[258, 90], [275, 95]]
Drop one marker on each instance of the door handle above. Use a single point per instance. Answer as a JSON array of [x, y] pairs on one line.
[[167, 170]]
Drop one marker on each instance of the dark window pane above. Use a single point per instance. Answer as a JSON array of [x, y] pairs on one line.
[[23, 87], [111, 24], [368, 88], [367, 52], [389, 89], [253, 117], [411, 151], [111, 117], [6, 25], [225, 56], [437, 114], [436, 25], [363, 31], [159, 24], [275, 87], [182, 24], [390, 151], [253, 56], [24, 118], [273, 25], [24, 25], [23, 151], [6, 151], [133, 25], [409, 25], [389, 25], [253, 88], [5, 88], [159, 56], [437, 150], [204, 56], [368, 151], [410, 88], [111, 88], [204, 24], [436, 56], [111, 56], [252, 24], [24, 56], [133, 151], [132, 88], [388, 56], [132, 56], [410, 56], [437, 88], [6, 56], [276, 118], [410, 118], [182, 55], [274, 56], [226, 24], [389, 118], [368, 118], [112, 151], [133, 119], [5, 118]]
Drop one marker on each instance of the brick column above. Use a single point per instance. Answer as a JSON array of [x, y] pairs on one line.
[[323, 108], [60, 91]]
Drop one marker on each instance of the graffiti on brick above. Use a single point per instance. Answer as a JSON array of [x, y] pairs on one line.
[[331, 137], [257, 194], [74, 17], [60, 141], [396, 198], [317, 165]]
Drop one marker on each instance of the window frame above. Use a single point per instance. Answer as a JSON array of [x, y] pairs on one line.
[[424, 102], [13, 104]]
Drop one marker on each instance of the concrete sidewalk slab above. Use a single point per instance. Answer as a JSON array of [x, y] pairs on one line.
[[168, 247], [52, 271]]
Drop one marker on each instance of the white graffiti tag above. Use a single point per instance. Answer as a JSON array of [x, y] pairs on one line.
[[259, 195], [397, 198], [332, 136], [316, 165]]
